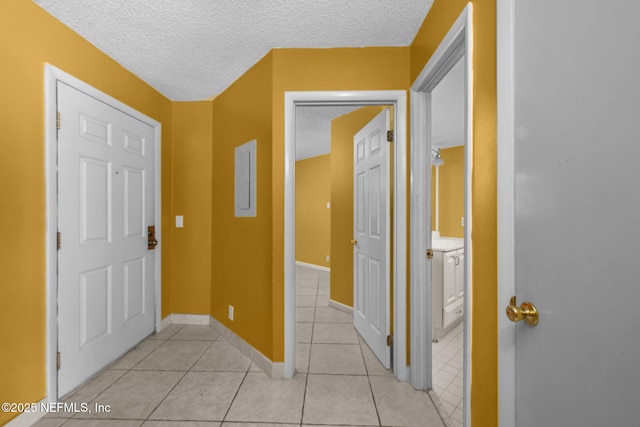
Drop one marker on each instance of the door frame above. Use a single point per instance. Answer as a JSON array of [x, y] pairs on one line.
[[52, 75], [457, 42], [397, 98], [506, 211]]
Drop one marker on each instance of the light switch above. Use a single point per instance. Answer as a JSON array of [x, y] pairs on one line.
[[462, 221], [179, 221], [328, 205]]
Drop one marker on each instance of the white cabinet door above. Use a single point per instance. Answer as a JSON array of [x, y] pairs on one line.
[[459, 284], [449, 278]]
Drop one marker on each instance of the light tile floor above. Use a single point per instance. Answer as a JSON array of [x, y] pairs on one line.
[[189, 376], [447, 373]]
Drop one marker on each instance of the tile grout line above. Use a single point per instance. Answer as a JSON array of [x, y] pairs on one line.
[[181, 378], [95, 399], [167, 395], [226, 414], [306, 380], [373, 396]]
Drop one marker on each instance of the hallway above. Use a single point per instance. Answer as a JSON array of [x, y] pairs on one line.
[[190, 376]]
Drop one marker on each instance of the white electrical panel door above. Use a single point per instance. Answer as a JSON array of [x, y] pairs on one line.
[[245, 180]]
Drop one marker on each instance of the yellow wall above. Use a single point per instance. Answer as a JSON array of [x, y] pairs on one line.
[[342, 131], [313, 219], [248, 253], [191, 197], [30, 37], [484, 358], [241, 247], [247, 265], [451, 182], [313, 70]]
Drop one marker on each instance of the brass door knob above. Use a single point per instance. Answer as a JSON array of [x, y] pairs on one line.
[[527, 312], [354, 242]]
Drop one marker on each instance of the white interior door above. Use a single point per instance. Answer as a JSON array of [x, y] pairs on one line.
[[371, 227], [106, 187], [577, 237]]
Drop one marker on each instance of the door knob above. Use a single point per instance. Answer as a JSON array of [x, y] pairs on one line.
[[527, 312], [354, 242]]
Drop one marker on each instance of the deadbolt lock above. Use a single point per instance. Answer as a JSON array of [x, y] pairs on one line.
[[151, 237]]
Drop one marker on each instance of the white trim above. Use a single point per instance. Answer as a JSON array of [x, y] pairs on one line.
[[506, 213], [340, 306], [53, 74], [272, 369], [51, 228], [314, 266], [190, 319], [164, 323], [27, 419], [398, 98], [457, 42]]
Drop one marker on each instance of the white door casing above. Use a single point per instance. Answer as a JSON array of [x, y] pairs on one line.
[[568, 239], [371, 229], [132, 317], [456, 46]]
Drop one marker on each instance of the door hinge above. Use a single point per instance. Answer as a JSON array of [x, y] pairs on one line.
[[429, 253], [58, 120], [389, 135], [59, 240], [389, 340], [58, 361]]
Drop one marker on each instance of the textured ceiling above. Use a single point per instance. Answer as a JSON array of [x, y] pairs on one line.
[[447, 109], [194, 49], [313, 129]]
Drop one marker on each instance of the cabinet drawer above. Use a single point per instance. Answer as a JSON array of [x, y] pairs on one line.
[[452, 313]]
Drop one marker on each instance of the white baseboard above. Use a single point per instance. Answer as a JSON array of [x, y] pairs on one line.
[[165, 322], [315, 267], [272, 369], [339, 306], [27, 419], [184, 319], [190, 319]]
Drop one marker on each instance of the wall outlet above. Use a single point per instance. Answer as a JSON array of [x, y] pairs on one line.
[[462, 222], [230, 312], [179, 221], [328, 205], [326, 258]]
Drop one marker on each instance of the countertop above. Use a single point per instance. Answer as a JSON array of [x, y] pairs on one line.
[[446, 244]]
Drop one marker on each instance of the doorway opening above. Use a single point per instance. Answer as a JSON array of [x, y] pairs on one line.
[[340, 238], [429, 132], [397, 99]]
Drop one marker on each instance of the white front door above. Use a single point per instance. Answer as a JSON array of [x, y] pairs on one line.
[[577, 199], [371, 228], [106, 187]]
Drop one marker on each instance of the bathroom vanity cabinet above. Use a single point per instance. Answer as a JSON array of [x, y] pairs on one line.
[[447, 285]]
